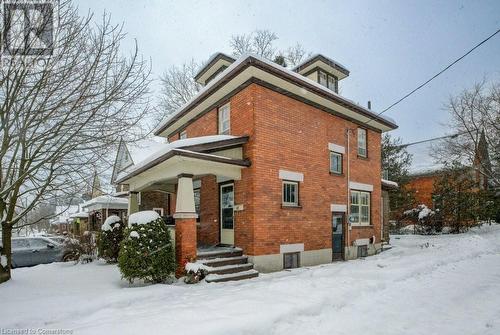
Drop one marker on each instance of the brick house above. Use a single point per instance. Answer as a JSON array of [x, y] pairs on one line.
[[272, 161], [426, 169]]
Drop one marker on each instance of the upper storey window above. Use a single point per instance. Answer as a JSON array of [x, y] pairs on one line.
[[183, 135], [328, 80], [224, 120]]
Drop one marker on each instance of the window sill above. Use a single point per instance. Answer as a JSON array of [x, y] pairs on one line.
[[365, 158], [336, 174], [361, 226], [291, 207]]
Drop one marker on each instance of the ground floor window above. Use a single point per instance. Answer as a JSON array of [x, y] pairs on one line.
[[159, 211], [291, 260], [360, 208]]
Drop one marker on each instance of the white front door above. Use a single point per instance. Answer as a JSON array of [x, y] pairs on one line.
[[227, 214]]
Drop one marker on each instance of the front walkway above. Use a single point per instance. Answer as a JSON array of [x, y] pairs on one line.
[[448, 286]]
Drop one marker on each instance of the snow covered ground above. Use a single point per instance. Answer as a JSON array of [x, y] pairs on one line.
[[447, 284]]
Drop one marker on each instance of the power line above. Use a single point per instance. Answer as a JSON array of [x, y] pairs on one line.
[[439, 73], [433, 139]]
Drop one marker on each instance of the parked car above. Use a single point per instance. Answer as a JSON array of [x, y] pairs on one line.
[[29, 251]]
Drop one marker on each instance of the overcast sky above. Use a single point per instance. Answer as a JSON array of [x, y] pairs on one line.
[[390, 47]]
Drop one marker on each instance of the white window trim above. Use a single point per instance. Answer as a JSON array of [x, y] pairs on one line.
[[183, 135], [341, 162], [338, 208], [368, 223], [221, 121], [289, 204], [290, 175], [159, 209], [360, 186], [365, 147]]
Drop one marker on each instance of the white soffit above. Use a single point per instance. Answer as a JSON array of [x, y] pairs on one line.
[[360, 186], [336, 148], [338, 208], [289, 175]]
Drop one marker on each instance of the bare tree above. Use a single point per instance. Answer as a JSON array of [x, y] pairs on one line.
[[295, 55], [60, 115], [259, 42], [178, 87], [475, 117]]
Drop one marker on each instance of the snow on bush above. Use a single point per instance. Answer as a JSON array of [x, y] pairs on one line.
[[424, 221], [109, 238], [143, 217], [148, 254], [110, 222]]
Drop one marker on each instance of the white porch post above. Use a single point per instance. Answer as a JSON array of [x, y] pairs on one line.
[[185, 223], [184, 206], [133, 206]]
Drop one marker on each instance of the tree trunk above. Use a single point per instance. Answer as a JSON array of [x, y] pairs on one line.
[[6, 251]]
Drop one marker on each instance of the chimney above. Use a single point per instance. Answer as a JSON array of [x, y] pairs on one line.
[[369, 104]]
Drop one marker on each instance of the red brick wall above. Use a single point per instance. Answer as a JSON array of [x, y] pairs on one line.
[[424, 187], [208, 228], [154, 199], [293, 136]]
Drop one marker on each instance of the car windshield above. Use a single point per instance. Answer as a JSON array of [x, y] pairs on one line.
[[20, 243]]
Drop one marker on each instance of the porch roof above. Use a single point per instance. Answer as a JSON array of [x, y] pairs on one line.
[[219, 157]]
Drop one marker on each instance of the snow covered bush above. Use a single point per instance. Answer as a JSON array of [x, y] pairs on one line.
[[195, 272], [424, 220], [110, 237], [146, 251]]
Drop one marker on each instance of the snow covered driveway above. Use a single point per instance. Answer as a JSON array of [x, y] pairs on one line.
[[424, 285]]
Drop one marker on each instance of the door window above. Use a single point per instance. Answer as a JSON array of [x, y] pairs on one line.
[[227, 204]]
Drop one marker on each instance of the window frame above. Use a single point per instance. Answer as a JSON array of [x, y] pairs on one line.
[[220, 120], [359, 206], [328, 77], [334, 153], [360, 131], [286, 203], [198, 210], [160, 209], [183, 135]]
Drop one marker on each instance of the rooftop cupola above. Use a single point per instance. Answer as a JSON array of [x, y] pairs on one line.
[[217, 63], [323, 70]]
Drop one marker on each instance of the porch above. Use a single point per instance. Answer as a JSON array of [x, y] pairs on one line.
[[179, 171]]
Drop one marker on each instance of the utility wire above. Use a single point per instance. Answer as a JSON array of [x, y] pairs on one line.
[[432, 139], [438, 74]]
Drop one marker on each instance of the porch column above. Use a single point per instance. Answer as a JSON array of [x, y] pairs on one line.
[[133, 206], [185, 223]]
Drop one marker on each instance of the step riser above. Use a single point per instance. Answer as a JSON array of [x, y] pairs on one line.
[[222, 254], [220, 280], [227, 262], [233, 270]]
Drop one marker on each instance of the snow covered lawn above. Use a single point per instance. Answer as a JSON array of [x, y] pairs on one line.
[[424, 285]]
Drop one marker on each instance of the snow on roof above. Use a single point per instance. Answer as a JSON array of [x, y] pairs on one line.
[[389, 183], [211, 59], [105, 200], [167, 147], [64, 213], [320, 55], [144, 148], [298, 76], [80, 215], [422, 159], [142, 217]]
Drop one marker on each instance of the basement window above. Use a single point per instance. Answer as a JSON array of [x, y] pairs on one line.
[[362, 251], [291, 260]]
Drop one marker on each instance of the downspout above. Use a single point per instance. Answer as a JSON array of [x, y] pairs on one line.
[[348, 207]]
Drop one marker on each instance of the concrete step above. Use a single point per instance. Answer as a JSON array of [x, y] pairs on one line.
[[234, 268], [217, 278], [217, 262], [219, 253]]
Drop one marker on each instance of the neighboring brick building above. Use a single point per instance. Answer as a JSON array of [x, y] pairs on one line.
[[271, 161]]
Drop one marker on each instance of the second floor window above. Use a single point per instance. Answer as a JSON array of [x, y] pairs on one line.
[[327, 80], [183, 135], [224, 120], [335, 162], [290, 193], [362, 143]]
